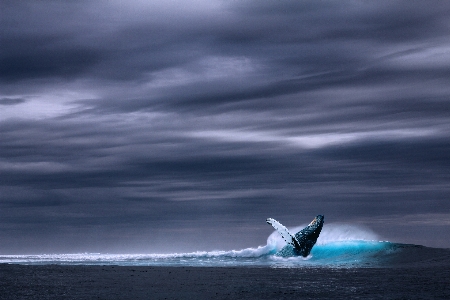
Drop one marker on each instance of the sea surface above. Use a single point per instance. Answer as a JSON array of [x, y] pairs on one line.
[[339, 246], [346, 263]]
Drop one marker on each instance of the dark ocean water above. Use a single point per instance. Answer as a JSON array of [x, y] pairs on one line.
[[338, 270]]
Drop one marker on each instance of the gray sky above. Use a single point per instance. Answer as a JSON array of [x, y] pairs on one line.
[[172, 126]]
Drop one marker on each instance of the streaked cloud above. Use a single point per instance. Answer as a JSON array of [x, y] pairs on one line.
[[139, 118]]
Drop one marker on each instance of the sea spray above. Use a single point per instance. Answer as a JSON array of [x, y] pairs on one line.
[[330, 233]]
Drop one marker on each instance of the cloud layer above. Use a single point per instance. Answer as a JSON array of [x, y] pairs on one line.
[[183, 125]]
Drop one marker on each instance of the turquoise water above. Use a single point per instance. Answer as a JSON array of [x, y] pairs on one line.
[[336, 253]]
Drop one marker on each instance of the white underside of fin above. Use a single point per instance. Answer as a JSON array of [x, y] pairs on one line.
[[283, 231]]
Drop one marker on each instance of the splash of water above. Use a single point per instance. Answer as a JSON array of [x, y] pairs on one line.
[[330, 233]]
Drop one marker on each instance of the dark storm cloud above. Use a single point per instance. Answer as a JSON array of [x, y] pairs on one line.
[[11, 101], [62, 63], [125, 123]]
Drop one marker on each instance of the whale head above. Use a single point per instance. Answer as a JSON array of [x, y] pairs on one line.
[[317, 222]]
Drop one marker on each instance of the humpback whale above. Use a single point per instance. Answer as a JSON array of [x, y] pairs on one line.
[[302, 242]]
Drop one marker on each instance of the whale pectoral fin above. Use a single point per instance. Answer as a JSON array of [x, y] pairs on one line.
[[284, 232]]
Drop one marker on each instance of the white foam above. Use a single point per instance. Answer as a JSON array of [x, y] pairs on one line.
[[345, 232]]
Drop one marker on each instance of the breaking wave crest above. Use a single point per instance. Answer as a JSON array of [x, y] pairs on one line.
[[337, 246]]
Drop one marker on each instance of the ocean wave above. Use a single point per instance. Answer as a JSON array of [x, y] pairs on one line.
[[338, 246]]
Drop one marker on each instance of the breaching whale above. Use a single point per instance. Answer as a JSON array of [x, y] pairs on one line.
[[302, 242]]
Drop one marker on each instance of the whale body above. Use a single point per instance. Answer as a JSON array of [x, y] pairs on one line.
[[302, 242]]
